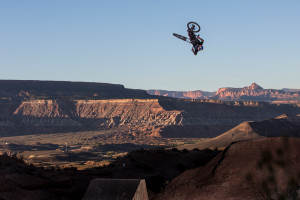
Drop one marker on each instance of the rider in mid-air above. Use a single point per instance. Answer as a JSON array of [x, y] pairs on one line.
[[196, 41]]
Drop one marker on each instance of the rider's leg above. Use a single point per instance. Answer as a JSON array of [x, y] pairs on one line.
[[195, 49]]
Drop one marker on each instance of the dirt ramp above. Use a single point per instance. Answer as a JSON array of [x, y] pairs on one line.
[[118, 189], [265, 168], [284, 125]]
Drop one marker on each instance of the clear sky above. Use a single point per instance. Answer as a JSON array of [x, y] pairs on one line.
[[131, 43]]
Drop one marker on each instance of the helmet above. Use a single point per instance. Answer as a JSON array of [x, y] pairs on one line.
[[200, 48]]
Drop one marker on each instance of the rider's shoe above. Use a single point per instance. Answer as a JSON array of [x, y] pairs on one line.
[[193, 50]]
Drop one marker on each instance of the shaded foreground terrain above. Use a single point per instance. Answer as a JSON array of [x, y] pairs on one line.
[[267, 168], [57, 136], [256, 169], [158, 167]]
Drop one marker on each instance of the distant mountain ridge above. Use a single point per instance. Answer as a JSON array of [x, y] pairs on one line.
[[290, 90], [36, 90], [197, 94], [254, 92]]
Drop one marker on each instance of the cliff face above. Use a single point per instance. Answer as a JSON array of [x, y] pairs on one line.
[[133, 112], [70, 115], [170, 118]]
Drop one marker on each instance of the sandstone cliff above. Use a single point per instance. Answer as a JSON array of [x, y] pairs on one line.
[[170, 118]]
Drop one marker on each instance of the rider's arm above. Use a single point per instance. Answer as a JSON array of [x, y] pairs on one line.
[[198, 37]]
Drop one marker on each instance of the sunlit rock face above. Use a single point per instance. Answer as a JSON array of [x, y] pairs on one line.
[[255, 92], [165, 117]]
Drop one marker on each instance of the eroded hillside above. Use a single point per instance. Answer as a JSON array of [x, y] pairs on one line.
[[164, 117]]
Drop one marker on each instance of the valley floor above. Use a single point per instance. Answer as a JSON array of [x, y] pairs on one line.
[[82, 149]]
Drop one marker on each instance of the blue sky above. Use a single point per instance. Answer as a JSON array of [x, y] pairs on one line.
[[131, 42]]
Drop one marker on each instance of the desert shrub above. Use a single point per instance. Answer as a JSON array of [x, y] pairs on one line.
[[209, 150], [185, 150], [175, 150], [20, 158], [112, 164], [143, 166], [156, 183], [196, 149]]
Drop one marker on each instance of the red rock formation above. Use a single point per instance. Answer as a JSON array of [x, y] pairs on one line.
[[255, 93], [251, 93]]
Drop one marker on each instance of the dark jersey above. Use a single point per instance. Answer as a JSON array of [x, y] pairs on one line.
[[194, 39]]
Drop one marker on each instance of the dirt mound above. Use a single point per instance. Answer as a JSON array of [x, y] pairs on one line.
[[284, 125], [266, 168]]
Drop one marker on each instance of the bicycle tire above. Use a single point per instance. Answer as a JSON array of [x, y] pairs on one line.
[[196, 25]]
